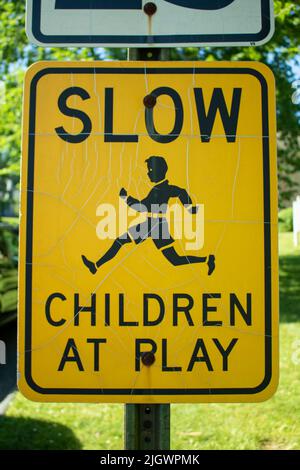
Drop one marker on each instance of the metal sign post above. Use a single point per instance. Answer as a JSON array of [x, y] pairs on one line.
[[147, 426]]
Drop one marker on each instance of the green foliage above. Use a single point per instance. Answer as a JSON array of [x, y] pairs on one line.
[[285, 219], [10, 119], [281, 53]]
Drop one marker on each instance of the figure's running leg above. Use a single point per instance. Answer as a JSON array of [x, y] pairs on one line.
[[178, 260], [111, 253]]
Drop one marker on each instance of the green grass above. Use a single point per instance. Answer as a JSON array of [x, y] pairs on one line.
[[289, 279], [274, 424], [29, 425]]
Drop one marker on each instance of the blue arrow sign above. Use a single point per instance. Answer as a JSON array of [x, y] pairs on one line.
[[202, 4], [137, 4], [98, 5]]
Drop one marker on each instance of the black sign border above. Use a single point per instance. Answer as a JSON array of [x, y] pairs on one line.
[[151, 40], [267, 233]]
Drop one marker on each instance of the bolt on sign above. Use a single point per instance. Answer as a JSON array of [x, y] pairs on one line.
[[138, 23], [148, 252]]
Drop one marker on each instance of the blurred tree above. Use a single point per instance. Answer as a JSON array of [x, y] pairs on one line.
[[282, 54]]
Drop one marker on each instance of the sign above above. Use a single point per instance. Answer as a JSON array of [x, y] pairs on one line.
[[137, 23], [148, 244]]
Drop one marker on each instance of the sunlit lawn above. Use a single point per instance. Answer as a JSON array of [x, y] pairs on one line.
[[274, 424]]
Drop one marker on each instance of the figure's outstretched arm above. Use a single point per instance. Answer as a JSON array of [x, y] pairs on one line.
[[185, 199], [133, 202]]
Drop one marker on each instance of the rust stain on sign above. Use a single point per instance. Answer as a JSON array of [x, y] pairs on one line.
[[150, 9]]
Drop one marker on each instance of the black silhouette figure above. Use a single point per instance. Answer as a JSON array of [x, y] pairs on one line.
[[156, 224]]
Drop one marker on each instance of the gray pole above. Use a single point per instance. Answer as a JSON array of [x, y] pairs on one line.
[[147, 427], [148, 53]]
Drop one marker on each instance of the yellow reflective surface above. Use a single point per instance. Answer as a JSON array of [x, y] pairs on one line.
[[81, 335]]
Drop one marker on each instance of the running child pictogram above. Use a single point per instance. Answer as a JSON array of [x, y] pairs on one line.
[[156, 226]]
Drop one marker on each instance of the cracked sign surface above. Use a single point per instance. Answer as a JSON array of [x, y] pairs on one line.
[[174, 22], [110, 310]]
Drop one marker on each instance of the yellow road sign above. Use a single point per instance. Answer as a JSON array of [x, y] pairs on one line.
[[148, 247]]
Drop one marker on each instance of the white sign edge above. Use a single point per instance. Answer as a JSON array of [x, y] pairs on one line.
[[32, 39]]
